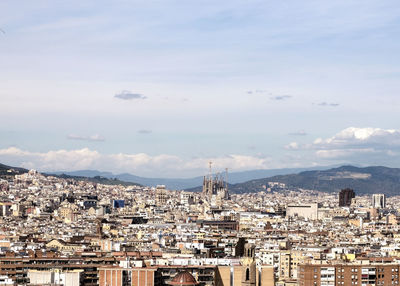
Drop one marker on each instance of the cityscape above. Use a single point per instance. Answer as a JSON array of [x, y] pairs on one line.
[[63, 231], [199, 143]]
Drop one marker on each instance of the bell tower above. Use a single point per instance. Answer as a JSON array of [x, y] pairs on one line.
[[249, 271]]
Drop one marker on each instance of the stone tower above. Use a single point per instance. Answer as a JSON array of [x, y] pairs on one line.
[[249, 272]]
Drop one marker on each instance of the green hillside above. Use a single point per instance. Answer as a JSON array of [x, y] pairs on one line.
[[367, 180]]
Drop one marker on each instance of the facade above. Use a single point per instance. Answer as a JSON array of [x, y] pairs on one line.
[[306, 211], [246, 274], [285, 262], [219, 224], [5, 209], [345, 197], [378, 201], [18, 268], [54, 276], [349, 274], [4, 280], [117, 204], [249, 266], [161, 195], [232, 276], [187, 198], [117, 276]]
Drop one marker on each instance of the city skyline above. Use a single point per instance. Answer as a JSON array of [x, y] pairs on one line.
[[162, 88]]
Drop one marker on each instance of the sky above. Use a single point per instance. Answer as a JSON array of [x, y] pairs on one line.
[[160, 88]]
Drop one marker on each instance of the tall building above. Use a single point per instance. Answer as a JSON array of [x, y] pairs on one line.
[[378, 201], [249, 264], [345, 197], [161, 195]]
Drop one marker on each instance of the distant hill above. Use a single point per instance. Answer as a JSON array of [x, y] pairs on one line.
[[187, 183], [8, 172], [366, 180], [97, 180]]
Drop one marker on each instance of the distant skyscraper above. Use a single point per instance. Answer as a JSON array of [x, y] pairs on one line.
[[345, 197], [378, 201]]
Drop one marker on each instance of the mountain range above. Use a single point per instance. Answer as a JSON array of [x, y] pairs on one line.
[[186, 183], [363, 180], [368, 180]]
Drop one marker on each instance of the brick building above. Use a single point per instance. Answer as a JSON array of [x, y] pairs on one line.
[[363, 273]]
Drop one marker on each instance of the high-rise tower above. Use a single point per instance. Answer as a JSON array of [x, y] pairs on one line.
[[345, 197], [379, 201]]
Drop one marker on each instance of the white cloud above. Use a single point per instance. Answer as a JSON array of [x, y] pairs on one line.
[[139, 164], [356, 145], [352, 136], [292, 146], [355, 138], [52, 160]]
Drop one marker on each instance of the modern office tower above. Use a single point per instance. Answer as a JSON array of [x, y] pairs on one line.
[[345, 197], [378, 201]]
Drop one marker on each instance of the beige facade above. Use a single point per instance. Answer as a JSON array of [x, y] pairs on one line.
[[232, 275], [306, 211], [55, 277]]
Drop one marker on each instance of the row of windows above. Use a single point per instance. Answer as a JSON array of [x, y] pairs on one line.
[[383, 283], [354, 269]]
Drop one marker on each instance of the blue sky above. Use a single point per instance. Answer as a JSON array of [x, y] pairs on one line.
[[159, 88]]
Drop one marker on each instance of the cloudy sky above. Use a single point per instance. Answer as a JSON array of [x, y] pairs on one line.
[[159, 88]]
